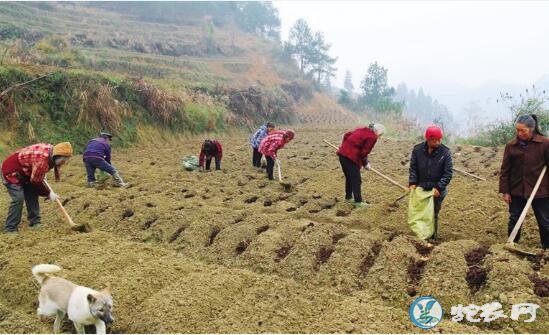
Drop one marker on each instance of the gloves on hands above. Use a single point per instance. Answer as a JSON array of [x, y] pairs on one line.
[[53, 196]]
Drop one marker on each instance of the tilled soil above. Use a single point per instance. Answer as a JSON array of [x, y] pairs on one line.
[[230, 251]]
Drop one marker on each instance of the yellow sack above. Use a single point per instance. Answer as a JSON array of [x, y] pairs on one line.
[[421, 213]]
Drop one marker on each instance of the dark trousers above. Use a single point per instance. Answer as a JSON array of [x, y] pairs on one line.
[[97, 163], [256, 158], [438, 206], [209, 163], [541, 211], [270, 167], [353, 180], [20, 194]]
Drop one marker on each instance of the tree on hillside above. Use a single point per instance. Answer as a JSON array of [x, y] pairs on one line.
[[422, 107], [345, 99], [348, 83], [376, 93], [374, 85], [321, 63], [259, 17], [299, 43]]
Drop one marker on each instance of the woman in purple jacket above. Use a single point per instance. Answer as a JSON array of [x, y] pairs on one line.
[[97, 155]]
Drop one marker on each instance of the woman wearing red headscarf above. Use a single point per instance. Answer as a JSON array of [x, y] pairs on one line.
[[431, 168]]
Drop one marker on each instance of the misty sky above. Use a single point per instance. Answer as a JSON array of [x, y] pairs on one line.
[[432, 44]]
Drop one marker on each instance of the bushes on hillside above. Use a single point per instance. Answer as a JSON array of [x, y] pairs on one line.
[[257, 104], [531, 102], [75, 105]]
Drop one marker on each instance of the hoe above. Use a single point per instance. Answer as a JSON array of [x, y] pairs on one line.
[[83, 228], [510, 245], [380, 174]]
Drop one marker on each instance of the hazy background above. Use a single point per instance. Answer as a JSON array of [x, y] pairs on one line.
[[462, 53]]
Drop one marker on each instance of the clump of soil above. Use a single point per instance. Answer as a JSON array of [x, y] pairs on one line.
[[476, 278], [337, 236], [310, 225], [177, 233], [262, 229], [476, 256], [415, 270], [323, 255], [476, 275], [127, 214], [369, 259], [422, 249], [282, 252], [149, 223], [343, 212], [541, 286], [538, 260], [242, 246], [251, 199], [213, 233]]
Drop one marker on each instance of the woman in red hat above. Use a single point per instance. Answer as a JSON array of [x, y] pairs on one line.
[[431, 168]]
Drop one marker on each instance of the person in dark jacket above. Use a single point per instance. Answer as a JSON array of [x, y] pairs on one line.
[[353, 155], [24, 173], [523, 160], [431, 168], [256, 139], [97, 155], [210, 149]]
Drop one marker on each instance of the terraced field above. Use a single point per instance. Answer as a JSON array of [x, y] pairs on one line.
[[230, 251]]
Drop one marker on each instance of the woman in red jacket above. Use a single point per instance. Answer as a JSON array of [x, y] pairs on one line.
[[210, 149], [271, 144], [23, 174], [353, 155]]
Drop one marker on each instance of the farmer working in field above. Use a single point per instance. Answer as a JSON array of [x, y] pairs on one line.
[[23, 174], [523, 161], [271, 144], [353, 155], [256, 139], [210, 149], [97, 155], [431, 168]]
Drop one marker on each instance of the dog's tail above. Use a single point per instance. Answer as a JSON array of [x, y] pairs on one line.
[[41, 271]]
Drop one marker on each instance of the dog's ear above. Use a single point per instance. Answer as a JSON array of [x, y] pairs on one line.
[[91, 298]]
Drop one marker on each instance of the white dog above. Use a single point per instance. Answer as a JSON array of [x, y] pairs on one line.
[[83, 305]]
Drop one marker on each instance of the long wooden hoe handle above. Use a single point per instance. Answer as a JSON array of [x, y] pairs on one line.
[[60, 205], [375, 171], [470, 174], [279, 171], [525, 210]]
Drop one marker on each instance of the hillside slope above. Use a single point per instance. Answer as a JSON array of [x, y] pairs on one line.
[[117, 70]]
